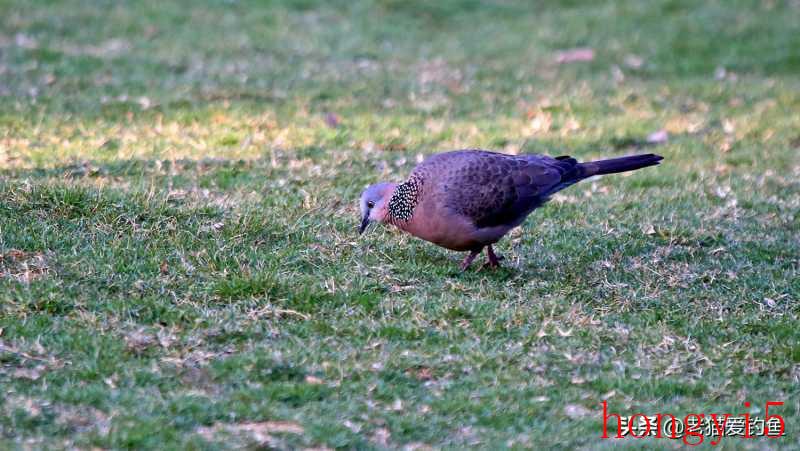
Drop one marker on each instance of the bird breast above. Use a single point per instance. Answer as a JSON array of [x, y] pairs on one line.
[[444, 228]]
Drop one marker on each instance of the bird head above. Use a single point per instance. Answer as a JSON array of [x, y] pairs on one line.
[[374, 200]]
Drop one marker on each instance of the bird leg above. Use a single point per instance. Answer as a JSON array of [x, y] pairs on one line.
[[494, 260], [468, 260]]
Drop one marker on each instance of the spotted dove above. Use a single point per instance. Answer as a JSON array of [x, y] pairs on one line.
[[466, 200]]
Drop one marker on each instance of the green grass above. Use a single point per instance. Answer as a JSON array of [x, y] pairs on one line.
[[178, 246]]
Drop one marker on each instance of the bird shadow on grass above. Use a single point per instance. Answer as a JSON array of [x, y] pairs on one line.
[[476, 272]]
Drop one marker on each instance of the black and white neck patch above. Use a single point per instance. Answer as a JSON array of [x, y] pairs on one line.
[[404, 199]]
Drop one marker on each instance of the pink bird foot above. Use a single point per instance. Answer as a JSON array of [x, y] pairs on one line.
[[493, 260], [468, 260]]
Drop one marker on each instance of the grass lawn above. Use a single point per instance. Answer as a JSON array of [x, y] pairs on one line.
[[179, 262]]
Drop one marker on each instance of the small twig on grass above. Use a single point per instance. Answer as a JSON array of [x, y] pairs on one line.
[[291, 312], [278, 312], [10, 350]]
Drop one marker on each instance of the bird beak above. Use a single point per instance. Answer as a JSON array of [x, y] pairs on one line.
[[364, 224]]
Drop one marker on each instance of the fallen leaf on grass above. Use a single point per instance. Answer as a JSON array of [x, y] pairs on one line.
[[728, 126], [417, 446], [421, 373], [166, 338], [542, 333], [576, 411], [658, 137], [720, 73], [634, 62], [24, 267], [381, 437], [11, 350], [332, 120], [313, 380], [28, 373], [139, 340], [540, 121], [352, 426], [397, 405], [575, 55], [617, 74], [15, 254], [30, 406], [82, 418], [259, 432], [564, 333]]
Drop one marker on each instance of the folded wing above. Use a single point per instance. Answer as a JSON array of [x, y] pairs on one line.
[[492, 189]]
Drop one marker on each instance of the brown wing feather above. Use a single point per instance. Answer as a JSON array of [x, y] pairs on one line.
[[492, 189]]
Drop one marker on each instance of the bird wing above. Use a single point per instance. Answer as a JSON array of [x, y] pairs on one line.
[[492, 189]]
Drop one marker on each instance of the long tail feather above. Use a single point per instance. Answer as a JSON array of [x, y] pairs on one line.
[[616, 165]]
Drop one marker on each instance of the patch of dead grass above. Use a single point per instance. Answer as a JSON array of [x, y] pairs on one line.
[[24, 267], [260, 433]]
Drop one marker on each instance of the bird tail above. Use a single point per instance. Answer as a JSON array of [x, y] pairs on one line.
[[614, 165]]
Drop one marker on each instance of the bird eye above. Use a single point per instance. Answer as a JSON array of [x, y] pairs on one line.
[[370, 204]]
